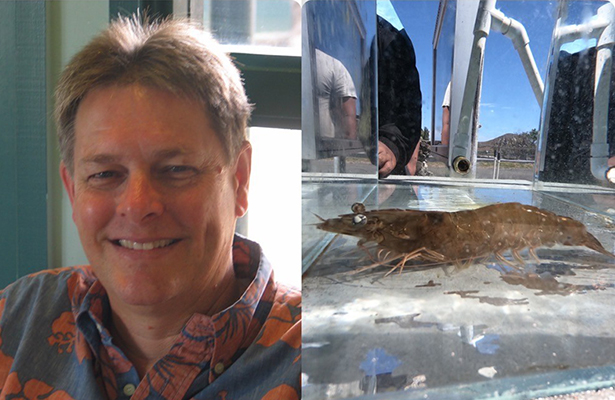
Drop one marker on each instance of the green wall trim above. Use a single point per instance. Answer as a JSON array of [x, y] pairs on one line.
[[23, 139]]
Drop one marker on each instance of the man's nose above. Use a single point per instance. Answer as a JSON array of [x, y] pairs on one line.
[[140, 200]]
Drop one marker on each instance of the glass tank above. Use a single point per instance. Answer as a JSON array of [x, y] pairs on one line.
[[488, 282], [369, 328]]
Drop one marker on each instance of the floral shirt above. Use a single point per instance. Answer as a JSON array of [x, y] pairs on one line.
[[54, 343]]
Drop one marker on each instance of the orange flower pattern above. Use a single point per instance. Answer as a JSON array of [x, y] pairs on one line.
[[53, 333], [32, 390], [287, 317], [63, 334], [282, 392]]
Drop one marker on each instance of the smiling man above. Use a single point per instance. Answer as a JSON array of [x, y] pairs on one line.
[[152, 129]]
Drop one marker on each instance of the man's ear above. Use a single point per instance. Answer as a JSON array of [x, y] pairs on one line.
[[69, 183], [243, 165]]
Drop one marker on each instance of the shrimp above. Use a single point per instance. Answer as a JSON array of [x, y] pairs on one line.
[[463, 236]]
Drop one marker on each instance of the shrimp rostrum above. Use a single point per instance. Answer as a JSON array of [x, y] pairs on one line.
[[461, 237]]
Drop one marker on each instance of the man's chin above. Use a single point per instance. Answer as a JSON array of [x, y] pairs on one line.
[[139, 291]]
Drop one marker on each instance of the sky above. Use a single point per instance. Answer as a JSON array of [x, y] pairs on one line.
[[508, 104]]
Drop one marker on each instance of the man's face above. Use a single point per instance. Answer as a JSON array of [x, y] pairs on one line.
[[153, 197]]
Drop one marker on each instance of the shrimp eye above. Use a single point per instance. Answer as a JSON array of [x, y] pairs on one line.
[[358, 208], [359, 219]]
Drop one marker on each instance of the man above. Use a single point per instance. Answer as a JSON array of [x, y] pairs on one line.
[[337, 98], [399, 102], [151, 124]]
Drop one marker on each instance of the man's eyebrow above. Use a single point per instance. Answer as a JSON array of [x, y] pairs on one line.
[[100, 159], [170, 153], [110, 158]]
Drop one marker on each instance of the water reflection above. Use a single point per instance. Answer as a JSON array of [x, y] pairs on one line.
[[337, 98], [443, 68], [399, 101], [577, 138], [338, 86]]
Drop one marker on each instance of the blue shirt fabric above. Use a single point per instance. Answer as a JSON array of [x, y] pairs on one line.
[[54, 341]]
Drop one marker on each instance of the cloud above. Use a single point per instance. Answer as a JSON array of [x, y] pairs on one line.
[[495, 106]]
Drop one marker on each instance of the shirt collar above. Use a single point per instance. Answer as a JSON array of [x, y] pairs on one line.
[[230, 331]]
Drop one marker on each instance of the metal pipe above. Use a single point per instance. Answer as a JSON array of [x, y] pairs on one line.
[[460, 150], [461, 165]]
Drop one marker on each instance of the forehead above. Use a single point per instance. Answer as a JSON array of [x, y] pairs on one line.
[[130, 102], [150, 119]]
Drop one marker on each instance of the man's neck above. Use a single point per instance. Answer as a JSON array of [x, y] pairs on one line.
[[145, 334]]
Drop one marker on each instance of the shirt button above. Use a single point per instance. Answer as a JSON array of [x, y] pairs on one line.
[[129, 389], [219, 368]]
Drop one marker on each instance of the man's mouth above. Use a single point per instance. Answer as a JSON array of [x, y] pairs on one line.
[[157, 244]]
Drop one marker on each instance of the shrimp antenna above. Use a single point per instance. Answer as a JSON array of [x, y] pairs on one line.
[[319, 217]]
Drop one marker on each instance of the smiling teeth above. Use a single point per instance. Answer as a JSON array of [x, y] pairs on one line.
[[144, 246]]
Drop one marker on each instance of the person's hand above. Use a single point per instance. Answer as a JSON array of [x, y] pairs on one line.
[[386, 160]]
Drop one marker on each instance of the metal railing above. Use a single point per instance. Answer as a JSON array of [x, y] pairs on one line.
[[498, 160]]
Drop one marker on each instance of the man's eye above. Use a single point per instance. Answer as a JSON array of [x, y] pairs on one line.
[[105, 179], [177, 168], [103, 175], [179, 171]]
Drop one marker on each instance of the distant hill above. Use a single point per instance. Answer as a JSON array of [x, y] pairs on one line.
[[511, 146]]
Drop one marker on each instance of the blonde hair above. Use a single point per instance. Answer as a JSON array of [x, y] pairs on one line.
[[172, 55]]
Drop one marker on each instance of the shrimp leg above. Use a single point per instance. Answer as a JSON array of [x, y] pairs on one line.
[[533, 254], [501, 258], [423, 252], [517, 256]]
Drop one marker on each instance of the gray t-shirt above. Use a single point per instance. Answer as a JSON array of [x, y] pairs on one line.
[[333, 85]]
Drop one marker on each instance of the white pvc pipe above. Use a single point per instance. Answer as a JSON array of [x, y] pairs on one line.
[[604, 62], [590, 29], [516, 32]]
